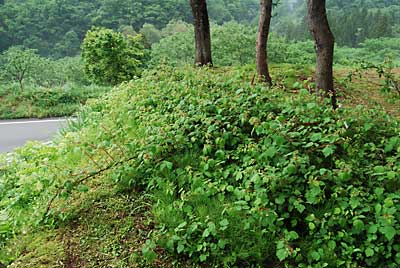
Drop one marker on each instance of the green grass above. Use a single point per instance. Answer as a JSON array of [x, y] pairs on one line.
[[38, 102]]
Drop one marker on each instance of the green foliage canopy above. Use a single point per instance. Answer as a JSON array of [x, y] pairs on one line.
[[18, 64], [110, 57]]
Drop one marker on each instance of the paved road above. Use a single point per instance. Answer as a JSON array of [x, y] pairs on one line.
[[16, 133]]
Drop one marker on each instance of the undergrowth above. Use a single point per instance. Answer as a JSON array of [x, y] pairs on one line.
[[237, 175], [40, 102]]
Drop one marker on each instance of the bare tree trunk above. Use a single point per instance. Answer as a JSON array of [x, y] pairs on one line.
[[202, 32], [324, 47], [262, 40]]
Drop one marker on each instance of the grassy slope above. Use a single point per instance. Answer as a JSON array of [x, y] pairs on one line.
[[366, 90], [108, 226], [44, 102]]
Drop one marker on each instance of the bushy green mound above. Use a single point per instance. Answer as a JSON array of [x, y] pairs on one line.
[[240, 175]]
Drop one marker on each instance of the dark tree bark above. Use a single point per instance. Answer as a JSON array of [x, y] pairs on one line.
[[202, 32], [262, 41], [324, 47]]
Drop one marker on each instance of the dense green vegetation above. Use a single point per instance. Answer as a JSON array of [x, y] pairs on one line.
[[44, 24], [168, 165], [42, 102], [111, 58], [56, 28], [51, 58], [232, 174], [177, 49], [352, 22], [34, 86]]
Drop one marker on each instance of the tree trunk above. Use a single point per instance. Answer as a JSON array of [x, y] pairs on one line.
[[324, 47], [262, 40], [202, 32]]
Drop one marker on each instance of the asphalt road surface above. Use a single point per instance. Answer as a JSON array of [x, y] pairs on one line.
[[15, 133]]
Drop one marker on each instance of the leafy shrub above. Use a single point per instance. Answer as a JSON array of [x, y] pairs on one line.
[[55, 73], [372, 50], [26, 67], [110, 57], [176, 49], [241, 176]]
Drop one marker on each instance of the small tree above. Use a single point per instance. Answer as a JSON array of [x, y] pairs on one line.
[[110, 57], [18, 64], [202, 32]]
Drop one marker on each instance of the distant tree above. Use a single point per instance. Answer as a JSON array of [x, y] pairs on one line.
[[175, 49], [324, 47], [111, 58], [151, 34], [229, 53], [127, 30], [175, 26], [262, 40], [219, 12], [202, 32], [18, 64], [69, 45]]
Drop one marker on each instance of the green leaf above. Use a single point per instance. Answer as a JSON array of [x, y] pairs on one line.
[[369, 252], [391, 175], [203, 257], [292, 235], [282, 253], [315, 255], [222, 243], [180, 247], [379, 170], [327, 151], [358, 225], [388, 231], [224, 222], [68, 186], [373, 229], [300, 207], [280, 200], [206, 233], [270, 153], [82, 188]]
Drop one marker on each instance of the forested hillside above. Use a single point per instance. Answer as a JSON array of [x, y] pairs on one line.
[[57, 27], [351, 21]]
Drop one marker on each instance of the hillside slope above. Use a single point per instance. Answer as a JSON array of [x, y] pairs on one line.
[[202, 167]]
